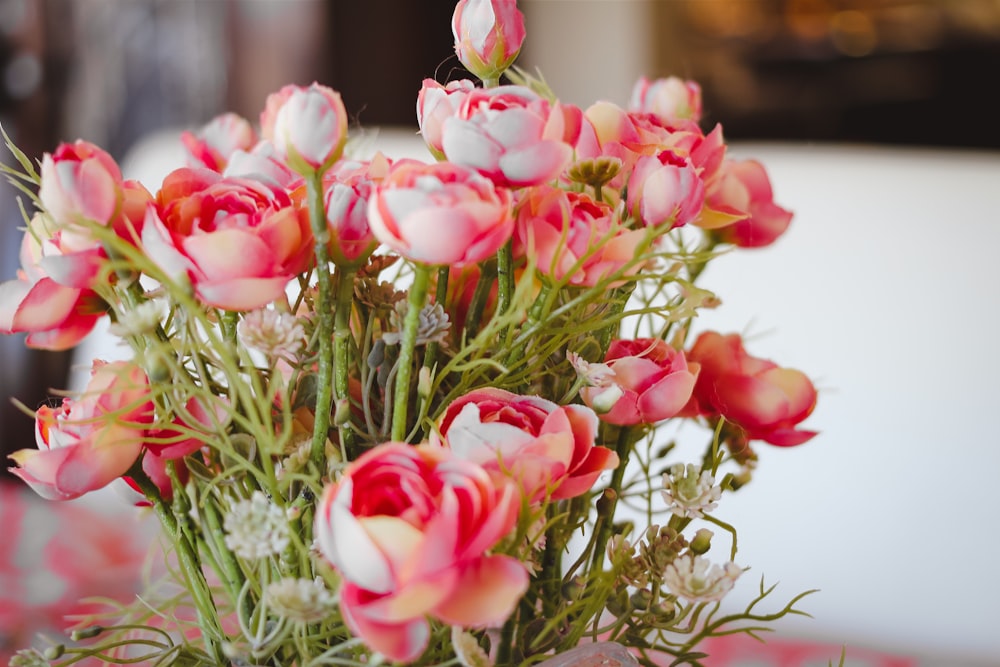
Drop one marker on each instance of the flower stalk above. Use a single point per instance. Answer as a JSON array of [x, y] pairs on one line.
[[417, 299]]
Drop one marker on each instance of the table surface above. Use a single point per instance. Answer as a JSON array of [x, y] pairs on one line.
[[883, 291]]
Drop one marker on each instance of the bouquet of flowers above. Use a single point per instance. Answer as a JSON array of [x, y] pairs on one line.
[[408, 411]]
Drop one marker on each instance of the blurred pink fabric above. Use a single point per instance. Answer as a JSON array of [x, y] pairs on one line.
[[53, 556]]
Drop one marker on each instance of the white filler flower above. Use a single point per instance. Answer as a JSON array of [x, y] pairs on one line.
[[695, 578], [256, 528]]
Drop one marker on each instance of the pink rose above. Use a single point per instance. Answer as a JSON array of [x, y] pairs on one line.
[[347, 193], [670, 99], [87, 443], [436, 103], [547, 448], [766, 401], [511, 135], [745, 190], [409, 529], [80, 182], [213, 145], [488, 36], [308, 126], [572, 237], [238, 241], [665, 189], [440, 213], [644, 381]]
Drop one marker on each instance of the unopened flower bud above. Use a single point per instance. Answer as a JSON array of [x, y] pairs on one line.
[[86, 633], [424, 382], [606, 503], [641, 599], [573, 589], [308, 126], [488, 36], [342, 412], [54, 652], [702, 541]]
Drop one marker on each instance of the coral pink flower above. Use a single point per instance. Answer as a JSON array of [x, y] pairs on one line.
[[572, 237], [58, 310], [488, 35], [87, 443], [644, 381], [547, 448], [766, 401], [436, 103], [670, 99], [213, 145], [409, 529], [308, 126], [511, 135], [238, 241], [744, 188], [52, 299], [440, 213], [665, 189], [80, 182]]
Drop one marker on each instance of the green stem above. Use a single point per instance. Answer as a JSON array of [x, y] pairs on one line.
[[505, 650], [208, 616], [342, 357], [325, 321], [418, 295], [623, 448], [505, 277], [487, 274], [441, 297]]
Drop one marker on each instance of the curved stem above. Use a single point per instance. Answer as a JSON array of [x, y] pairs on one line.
[[418, 295], [324, 320], [187, 553]]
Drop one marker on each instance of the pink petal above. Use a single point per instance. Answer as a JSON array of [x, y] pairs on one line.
[[535, 164], [487, 592], [402, 642], [242, 293], [46, 306], [12, 293], [667, 397]]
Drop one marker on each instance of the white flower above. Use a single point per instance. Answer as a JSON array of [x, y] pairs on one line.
[[300, 600], [256, 528], [139, 320], [695, 578], [689, 491], [275, 334]]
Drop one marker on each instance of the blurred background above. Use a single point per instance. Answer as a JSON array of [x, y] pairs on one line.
[[871, 88], [905, 72]]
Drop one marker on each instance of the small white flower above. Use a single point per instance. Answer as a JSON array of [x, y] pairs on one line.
[[139, 320], [695, 578], [256, 528], [300, 600], [273, 333], [689, 491]]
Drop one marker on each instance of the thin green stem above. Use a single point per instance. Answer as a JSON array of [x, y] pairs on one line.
[[342, 358], [505, 277], [324, 320], [473, 319], [623, 448], [418, 295], [208, 617]]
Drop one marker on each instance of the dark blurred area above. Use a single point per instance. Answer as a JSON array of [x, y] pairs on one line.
[[919, 72]]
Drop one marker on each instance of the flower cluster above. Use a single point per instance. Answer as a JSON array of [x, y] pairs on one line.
[[374, 401]]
